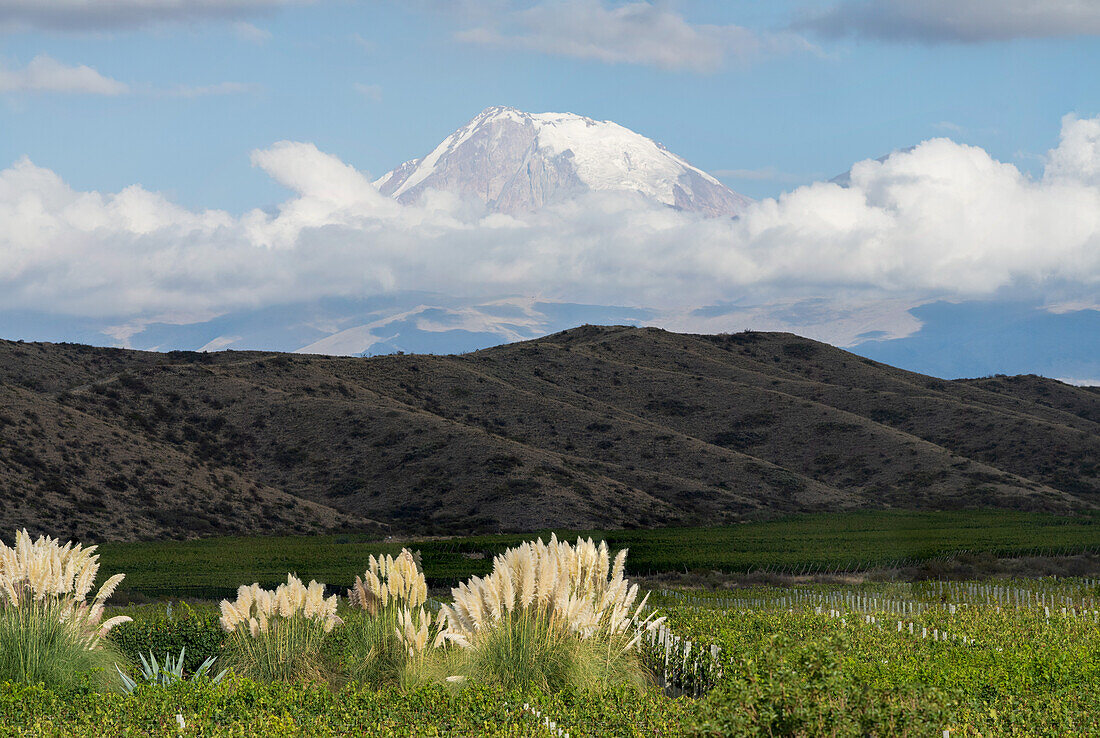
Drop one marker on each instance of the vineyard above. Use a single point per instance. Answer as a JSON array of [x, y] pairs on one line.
[[970, 658], [920, 658], [805, 544]]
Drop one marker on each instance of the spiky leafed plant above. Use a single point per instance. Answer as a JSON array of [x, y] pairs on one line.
[[168, 672], [552, 613], [276, 635], [392, 630], [48, 630]]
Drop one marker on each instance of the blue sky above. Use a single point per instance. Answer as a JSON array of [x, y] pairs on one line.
[[380, 82], [182, 162]]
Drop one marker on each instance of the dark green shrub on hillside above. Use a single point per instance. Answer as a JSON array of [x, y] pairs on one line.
[[800, 350]]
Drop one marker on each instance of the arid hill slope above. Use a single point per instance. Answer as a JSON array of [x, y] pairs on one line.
[[593, 427]]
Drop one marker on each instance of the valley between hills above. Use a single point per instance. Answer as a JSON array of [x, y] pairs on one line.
[[594, 427]]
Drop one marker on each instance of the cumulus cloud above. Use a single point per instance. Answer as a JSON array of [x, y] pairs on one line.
[[1077, 158], [84, 15], [962, 21], [636, 32], [941, 219], [46, 74]]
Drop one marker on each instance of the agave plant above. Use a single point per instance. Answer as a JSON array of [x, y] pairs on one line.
[[168, 673]]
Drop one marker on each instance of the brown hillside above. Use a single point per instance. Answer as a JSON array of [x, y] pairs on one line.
[[593, 427]]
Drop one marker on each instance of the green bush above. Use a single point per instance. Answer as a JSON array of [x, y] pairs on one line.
[[200, 634], [800, 688]]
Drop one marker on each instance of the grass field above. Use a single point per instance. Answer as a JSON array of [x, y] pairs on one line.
[[842, 658], [965, 664], [212, 568]]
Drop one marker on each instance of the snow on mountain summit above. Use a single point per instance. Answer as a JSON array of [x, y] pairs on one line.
[[516, 161]]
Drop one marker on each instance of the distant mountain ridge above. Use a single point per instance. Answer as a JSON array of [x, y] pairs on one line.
[[516, 162], [594, 427]]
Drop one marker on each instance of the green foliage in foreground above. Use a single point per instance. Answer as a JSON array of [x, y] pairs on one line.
[[243, 707], [796, 687], [1016, 673], [1008, 672], [209, 568], [35, 646]]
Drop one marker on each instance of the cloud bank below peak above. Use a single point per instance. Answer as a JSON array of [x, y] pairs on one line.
[[940, 220]]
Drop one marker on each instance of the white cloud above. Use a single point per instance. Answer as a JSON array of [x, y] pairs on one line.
[[963, 21], [46, 74], [370, 92], [946, 125], [250, 32], [636, 32], [85, 15], [941, 219], [1079, 382], [364, 43], [1077, 158]]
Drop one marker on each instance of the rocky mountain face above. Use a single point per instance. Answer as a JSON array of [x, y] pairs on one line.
[[595, 427], [516, 162]]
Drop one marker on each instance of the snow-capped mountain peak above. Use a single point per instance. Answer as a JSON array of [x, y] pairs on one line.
[[516, 161]]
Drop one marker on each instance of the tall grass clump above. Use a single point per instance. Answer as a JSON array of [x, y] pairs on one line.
[[278, 635], [550, 615], [48, 631], [390, 630]]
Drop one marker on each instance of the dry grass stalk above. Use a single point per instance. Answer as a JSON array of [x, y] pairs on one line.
[[258, 608], [394, 588], [42, 573], [388, 580], [417, 631], [573, 587]]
